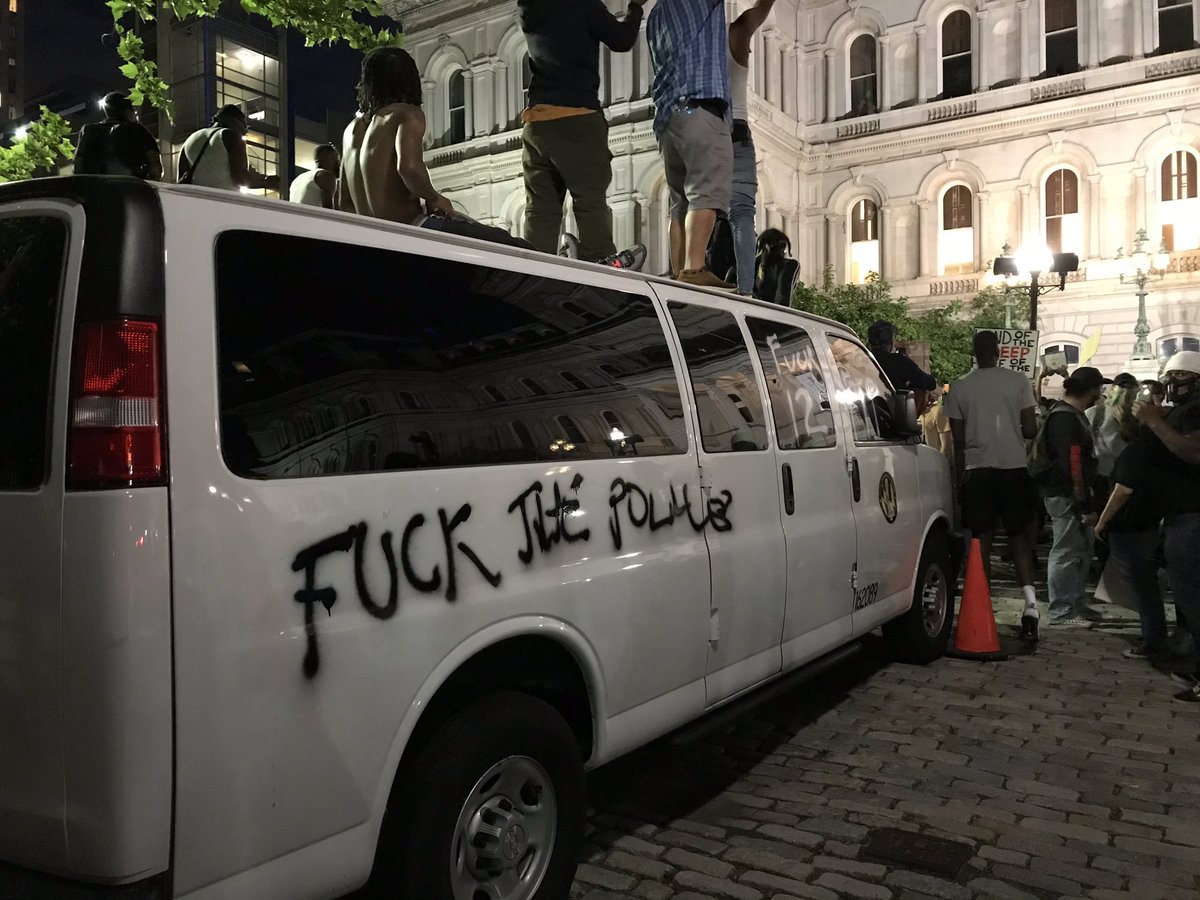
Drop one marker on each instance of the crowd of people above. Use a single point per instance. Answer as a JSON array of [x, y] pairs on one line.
[[701, 122], [1114, 459]]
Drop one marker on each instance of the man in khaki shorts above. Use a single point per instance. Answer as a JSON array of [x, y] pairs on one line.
[[689, 50]]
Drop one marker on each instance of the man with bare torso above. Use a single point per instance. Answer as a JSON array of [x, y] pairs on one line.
[[383, 172]]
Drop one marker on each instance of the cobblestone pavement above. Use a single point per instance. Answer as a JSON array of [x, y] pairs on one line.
[[1071, 772]]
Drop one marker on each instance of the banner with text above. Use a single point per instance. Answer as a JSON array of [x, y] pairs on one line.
[[1018, 349]]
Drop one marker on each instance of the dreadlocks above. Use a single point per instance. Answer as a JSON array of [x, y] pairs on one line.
[[389, 75]]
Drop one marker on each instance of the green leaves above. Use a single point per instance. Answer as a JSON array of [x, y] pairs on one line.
[[46, 141]]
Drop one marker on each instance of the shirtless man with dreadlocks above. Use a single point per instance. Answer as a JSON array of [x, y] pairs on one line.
[[383, 173]]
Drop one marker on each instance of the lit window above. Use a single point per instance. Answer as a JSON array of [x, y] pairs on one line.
[[863, 81], [1175, 30], [12, 6], [956, 54], [1180, 208], [1064, 230], [1062, 37], [956, 241], [864, 241], [526, 78], [1168, 347], [457, 94]]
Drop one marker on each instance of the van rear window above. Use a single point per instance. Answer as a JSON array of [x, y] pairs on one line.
[[33, 253], [343, 359]]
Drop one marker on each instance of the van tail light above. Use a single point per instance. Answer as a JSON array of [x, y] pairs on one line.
[[116, 431]]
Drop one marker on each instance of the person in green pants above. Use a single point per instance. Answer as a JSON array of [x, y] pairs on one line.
[[565, 138]]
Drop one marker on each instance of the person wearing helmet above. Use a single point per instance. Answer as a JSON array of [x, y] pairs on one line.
[[120, 145], [1179, 432]]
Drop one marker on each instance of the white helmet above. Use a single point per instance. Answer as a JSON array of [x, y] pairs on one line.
[[1183, 361]]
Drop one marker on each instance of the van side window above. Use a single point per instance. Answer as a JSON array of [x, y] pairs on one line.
[[863, 391], [33, 255], [796, 385], [727, 392], [401, 342]]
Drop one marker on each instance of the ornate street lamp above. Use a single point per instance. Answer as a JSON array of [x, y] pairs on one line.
[[1139, 268], [1028, 266]]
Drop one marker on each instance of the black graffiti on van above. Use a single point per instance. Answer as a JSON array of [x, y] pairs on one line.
[[534, 515], [438, 580], [642, 511]]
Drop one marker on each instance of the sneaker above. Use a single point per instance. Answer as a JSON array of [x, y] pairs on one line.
[[1184, 680], [569, 246], [705, 278], [1191, 695], [1030, 622], [1091, 614], [1076, 621], [1144, 652], [632, 259]]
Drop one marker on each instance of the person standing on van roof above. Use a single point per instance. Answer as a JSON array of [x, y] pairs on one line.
[[383, 171], [316, 187], [992, 414], [745, 162], [120, 145], [216, 156], [689, 51], [902, 372], [565, 138]]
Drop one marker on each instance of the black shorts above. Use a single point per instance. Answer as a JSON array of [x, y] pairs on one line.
[[1005, 495]]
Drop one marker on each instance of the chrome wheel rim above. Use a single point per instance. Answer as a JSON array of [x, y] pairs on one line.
[[934, 600], [504, 836]]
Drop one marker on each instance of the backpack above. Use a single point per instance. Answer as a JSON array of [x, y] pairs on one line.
[[1038, 459], [719, 258]]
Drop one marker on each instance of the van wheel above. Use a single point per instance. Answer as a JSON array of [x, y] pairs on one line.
[[491, 808], [922, 633]]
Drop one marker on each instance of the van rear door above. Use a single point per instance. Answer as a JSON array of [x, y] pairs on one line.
[[35, 242]]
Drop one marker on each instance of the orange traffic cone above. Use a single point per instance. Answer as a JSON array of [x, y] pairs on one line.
[[976, 637]]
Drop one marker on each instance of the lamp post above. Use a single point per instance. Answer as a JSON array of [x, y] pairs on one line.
[[1139, 268], [1029, 264]]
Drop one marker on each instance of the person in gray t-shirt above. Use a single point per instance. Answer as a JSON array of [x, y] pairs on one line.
[[991, 414]]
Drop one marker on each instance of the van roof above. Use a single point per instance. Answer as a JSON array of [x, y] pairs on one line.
[[84, 187]]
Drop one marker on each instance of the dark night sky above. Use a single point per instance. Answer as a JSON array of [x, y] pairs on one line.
[[58, 30]]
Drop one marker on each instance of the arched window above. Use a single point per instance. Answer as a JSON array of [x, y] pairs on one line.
[[956, 241], [1062, 37], [495, 394], [574, 382], [864, 240], [1175, 30], [1168, 347], [526, 78], [1067, 349], [956, 54], [611, 419], [1064, 230], [457, 96], [571, 431], [1179, 211], [533, 387], [864, 86], [521, 432]]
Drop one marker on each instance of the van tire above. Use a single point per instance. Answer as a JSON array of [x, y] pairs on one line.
[[920, 636], [509, 736]]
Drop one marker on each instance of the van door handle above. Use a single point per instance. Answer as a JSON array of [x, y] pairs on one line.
[[789, 493], [855, 480]]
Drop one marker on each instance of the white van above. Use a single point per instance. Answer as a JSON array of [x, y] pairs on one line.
[[335, 548]]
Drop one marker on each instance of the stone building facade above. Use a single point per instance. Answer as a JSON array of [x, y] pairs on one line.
[[913, 138]]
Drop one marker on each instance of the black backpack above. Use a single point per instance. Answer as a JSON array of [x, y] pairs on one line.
[[719, 258]]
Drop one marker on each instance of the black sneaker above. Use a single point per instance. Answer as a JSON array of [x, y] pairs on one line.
[[1185, 680], [1191, 695], [632, 258], [1144, 652]]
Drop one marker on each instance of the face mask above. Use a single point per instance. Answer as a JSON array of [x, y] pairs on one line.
[[1182, 388]]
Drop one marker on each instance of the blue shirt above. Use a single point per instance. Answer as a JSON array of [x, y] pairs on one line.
[[689, 50]]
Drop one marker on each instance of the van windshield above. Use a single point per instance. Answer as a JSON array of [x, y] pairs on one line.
[[33, 252]]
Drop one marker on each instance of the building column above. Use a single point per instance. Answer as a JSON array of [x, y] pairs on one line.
[[504, 111], [887, 227], [472, 105], [885, 72], [925, 260], [830, 87], [1139, 197], [837, 247], [1093, 241], [983, 230], [645, 78], [1023, 18], [641, 233], [1027, 212], [1092, 34], [623, 207], [922, 68], [1139, 30], [432, 115], [772, 70], [981, 49]]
